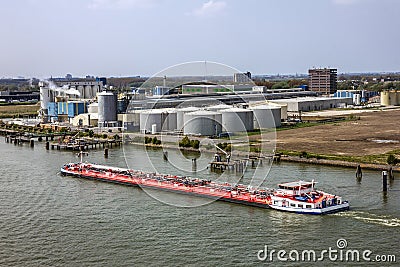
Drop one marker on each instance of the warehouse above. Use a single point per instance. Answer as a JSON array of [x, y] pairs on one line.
[[314, 103]]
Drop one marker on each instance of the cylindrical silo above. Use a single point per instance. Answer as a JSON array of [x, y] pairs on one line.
[[237, 120], [202, 122], [93, 108], [170, 123], [107, 107], [180, 116], [150, 117], [266, 116], [385, 98], [46, 96], [393, 98]]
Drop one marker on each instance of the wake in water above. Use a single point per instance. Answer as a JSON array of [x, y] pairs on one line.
[[385, 220]]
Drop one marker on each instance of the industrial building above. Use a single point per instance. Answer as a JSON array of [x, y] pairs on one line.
[[359, 96], [313, 103], [323, 81]]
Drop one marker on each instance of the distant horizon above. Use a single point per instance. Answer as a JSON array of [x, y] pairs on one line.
[[144, 76], [122, 38]]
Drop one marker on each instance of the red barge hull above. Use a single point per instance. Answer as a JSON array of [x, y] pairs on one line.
[[172, 184]]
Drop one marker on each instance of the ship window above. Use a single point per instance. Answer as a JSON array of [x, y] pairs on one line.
[[308, 206], [275, 202], [300, 205], [292, 205]]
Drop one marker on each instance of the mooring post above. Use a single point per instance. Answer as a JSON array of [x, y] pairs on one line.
[[390, 173], [359, 172], [47, 145], [165, 155], [384, 180], [194, 165], [32, 142], [106, 152]]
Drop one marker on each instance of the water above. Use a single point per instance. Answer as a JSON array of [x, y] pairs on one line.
[[50, 220]]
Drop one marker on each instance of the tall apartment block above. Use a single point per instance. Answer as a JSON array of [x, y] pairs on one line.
[[323, 81]]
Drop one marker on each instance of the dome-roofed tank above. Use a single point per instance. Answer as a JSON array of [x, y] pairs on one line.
[[179, 116], [218, 107], [266, 116], [237, 120], [202, 122], [151, 117]]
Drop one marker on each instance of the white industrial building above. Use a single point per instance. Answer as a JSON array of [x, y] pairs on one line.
[[313, 103]]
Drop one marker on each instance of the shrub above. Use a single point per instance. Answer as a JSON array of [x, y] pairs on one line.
[[392, 160]]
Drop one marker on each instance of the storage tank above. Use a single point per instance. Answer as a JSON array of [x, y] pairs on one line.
[[393, 98], [150, 117], [180, 116], [218, 107], [46, 96], [202, 122], [266, 116], [170, 123], [237, 120], [284, 109], [385, 98], [93, 108], [107, 107]]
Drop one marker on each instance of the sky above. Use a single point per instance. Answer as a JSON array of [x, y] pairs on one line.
[[43, 38]]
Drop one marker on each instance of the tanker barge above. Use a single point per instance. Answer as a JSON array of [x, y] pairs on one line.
[[299, 197]]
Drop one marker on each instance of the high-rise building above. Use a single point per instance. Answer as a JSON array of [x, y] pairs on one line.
[[323, 81], [242, 77]]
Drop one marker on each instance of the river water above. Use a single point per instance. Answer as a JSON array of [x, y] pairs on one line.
[[50, 220]]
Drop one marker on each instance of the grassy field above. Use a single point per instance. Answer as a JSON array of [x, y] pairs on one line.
[[8, 111]]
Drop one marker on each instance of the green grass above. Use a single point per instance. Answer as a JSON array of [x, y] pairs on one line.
[[371, 159]]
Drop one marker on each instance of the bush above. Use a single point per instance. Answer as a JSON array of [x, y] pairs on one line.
[[91, 133], [392, 160], [186, 142]]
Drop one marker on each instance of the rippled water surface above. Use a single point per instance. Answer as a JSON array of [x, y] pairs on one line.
[[50, 220]]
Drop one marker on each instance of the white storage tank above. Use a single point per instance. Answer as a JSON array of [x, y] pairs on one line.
[[393, 98], [93, 108], [150, 117], [107, 107], [202, 122], [218, 107], [180, 116], [46, 96], [266, 116], [237, 120], [171, 121]]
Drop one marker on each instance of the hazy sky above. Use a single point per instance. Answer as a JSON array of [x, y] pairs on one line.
[[40, 38]]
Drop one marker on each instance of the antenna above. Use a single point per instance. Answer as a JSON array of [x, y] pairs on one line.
[[205, 67]]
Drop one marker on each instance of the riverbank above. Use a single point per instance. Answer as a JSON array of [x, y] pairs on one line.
[[287, 158]]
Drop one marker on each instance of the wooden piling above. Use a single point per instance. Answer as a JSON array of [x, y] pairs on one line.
[[165, 155], [106, 152], [358, 172], [47, 145], [384, 180], [194, 165], [32, 143]]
